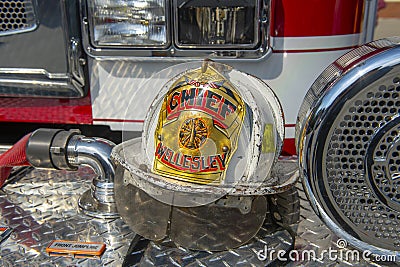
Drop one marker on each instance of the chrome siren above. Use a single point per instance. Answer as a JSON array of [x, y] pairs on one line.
[[348, 138]]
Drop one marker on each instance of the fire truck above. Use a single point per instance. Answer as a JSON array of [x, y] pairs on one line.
[[187, 132]]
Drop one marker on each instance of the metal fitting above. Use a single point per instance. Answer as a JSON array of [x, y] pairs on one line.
[[98, 201], [60, 149]]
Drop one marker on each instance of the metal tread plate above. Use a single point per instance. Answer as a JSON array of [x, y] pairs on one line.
[[42, 206]]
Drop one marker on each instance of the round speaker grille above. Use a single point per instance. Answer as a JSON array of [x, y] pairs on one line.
[[349, 145], [360, 169]]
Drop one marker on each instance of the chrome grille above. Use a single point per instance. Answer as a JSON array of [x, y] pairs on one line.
[[349, 146], [356, 143], [16, 16], [334, 71], [385, 168]]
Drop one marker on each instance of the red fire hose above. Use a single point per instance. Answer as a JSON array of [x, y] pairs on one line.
[[44, 148], [15, 156]]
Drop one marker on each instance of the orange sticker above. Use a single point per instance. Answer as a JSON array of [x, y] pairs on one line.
[[75, 249]]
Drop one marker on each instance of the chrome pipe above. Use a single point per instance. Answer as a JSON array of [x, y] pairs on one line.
[[95, 152]]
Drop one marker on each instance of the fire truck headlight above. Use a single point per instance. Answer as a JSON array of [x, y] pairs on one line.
[[210, 24], [139, 23]]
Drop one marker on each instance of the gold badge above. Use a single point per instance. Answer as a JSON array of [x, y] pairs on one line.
[[198, 127]]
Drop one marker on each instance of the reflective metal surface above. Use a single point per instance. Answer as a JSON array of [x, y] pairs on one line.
[[228, 223], [42, 206], [333, 72], [312, 237], [348, 147], [18, 16], [46, 62], [99, 201], [217, 227], [259, 50], [213, 25], [132, 24], [141, 212], [94, 152], [168, 254]]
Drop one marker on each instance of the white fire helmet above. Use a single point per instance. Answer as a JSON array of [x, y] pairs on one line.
[[210, 139]]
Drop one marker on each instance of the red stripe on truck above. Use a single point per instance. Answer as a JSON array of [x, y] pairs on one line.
[[46, 110], [294, 18]]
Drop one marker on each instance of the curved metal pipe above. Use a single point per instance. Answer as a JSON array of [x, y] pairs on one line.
[[60, 149], [94, 152]]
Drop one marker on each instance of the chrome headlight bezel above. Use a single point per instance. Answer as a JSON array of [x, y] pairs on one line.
[[172, 50], [178, 5], [122, 23]]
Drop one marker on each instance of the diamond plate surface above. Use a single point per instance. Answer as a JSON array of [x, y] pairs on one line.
[[167, 253], [314, 235], [123, 80], [41, 206]]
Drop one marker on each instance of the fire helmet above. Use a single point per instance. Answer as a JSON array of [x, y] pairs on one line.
[[209, 141]]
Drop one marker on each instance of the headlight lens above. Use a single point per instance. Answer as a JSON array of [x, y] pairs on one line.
[[128, 23], [225, 23]]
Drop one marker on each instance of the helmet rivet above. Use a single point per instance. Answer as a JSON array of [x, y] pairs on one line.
[[159, 137], [225, 148]]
